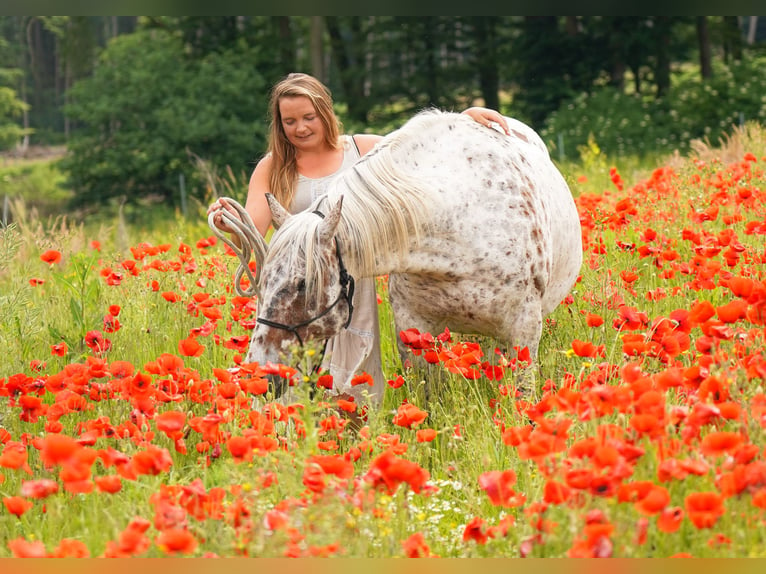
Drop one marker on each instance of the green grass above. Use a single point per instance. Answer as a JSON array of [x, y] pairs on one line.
[[471, 418]]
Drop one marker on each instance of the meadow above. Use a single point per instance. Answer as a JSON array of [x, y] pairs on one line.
[[130, 426]]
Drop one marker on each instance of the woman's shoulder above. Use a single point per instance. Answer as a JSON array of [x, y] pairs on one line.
[[365, 142]]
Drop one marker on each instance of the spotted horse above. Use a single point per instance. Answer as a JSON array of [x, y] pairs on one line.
[[477, 231]]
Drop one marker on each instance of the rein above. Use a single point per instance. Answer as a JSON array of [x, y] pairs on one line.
[[346, 292]]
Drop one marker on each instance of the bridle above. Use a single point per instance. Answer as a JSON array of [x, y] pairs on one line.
[[346, 292]]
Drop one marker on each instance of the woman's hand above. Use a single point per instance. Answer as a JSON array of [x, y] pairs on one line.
[[217, 207], [487, 117]]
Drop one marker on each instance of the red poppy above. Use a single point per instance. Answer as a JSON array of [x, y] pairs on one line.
[[704, 508], [718, 443], [408, 415], [389, 471], [190, 347], [325, 381], [171, 423], [334, 464], [475, 530], [733, 311], [110, 484], [240, 448], [51, 257], [556, 492], [176, 541], [58, 449], [396, 383], [655, 501], [70, 548], [171, 296], [594, 320], [17, 505], [362, 379], [40, 488], [425, 435], [669, 520], [498, 486], [21, 548], [59, 349], [415, 546]]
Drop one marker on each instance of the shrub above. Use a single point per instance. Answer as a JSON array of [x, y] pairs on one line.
[[628, 124], [147, 107]]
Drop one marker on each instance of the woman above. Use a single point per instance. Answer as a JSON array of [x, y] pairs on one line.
[[306, 150]]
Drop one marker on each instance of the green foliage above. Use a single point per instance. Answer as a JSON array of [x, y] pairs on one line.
[[11, 107], [147, 107], [627, 124]]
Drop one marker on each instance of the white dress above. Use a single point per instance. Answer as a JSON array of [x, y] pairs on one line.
[[356, 348]]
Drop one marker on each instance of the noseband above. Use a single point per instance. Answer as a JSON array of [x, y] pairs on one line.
[[346, 292]]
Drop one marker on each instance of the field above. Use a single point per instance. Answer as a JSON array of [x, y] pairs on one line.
[[124, 432]]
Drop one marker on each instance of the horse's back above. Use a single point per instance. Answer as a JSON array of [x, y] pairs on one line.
[[501, 212]]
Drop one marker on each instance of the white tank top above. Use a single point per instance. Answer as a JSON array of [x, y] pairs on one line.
[[308, 189]]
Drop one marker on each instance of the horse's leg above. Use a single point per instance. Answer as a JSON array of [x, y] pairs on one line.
[[525, 330]]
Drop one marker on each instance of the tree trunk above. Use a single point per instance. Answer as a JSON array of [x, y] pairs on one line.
[[350, 65], [703, 37], [732, 43], [286, 45], [486, 54], [316, 46], [662, 66]]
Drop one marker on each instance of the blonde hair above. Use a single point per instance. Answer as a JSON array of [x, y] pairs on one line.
[[284, 169]]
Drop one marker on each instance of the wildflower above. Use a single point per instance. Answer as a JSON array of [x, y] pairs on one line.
[[16, 505], [669, 520], [362, 379], [415, 546], [475, 530], [704, 508], [21, 548], [325, 381], [171, 423], [389, 471], [176, 541], [408, 415], [334, 464], [718, 443], [425, 435], [497, 484], [110, 484], [189, 347], [51, 257], [396, 383], [40, 488], [70, 548], [59, 349]]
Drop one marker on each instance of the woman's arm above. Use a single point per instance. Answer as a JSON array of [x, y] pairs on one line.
[[256, 205]]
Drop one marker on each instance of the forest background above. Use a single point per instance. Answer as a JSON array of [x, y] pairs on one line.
[[152, 109]]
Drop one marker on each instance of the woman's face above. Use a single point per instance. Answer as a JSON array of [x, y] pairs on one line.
[[300, 121]]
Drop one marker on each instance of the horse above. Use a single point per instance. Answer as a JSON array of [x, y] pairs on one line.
[[477, 231]]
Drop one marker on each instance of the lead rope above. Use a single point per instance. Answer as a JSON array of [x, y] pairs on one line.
[[251, 241]]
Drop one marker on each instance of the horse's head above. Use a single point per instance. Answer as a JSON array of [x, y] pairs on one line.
[[305, 291]]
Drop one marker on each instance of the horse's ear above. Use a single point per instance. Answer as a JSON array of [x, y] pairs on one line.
[[278, 213], [330, 222]]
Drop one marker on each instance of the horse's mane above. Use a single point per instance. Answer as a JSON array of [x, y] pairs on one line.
[[384, 211]]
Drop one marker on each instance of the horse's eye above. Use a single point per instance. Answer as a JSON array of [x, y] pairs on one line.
[[302, 285]]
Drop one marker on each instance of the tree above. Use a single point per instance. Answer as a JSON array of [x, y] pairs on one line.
[[11, 108], [485, 30], [148, 105], [703, 39]]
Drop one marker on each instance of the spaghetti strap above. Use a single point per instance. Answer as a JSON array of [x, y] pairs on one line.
[[353, 139]]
